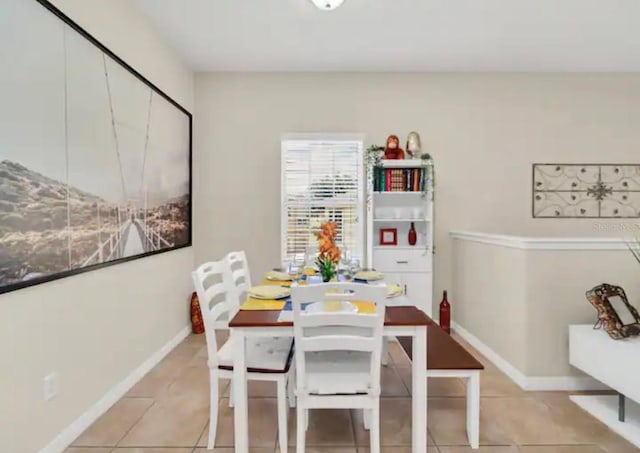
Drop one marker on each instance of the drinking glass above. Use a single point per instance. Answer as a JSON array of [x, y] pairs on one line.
[[310, 255], [295, 270], [354, 266], [344, 267]]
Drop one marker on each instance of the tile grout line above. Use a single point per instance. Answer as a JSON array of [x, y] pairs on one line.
[[134, 424], [113, 447], [205, 427], [406, 387]]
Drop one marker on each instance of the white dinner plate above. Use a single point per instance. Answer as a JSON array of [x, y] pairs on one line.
[[269, 292], [394, 290], [370, 276], [278, 276], [341, 306]]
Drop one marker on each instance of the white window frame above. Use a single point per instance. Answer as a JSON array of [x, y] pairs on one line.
[[361, 200]]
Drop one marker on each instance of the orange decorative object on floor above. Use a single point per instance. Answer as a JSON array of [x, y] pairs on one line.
[[197, 324]]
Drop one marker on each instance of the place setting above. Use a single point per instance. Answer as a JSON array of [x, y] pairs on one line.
[[274, 292]]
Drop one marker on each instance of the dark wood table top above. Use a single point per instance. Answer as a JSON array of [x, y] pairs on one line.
[[394, 316], [443, 352]]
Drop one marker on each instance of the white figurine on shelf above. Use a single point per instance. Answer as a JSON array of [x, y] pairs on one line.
[[414, 147]]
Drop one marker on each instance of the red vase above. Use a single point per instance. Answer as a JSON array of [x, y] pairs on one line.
[[413, 236], [445, 314]]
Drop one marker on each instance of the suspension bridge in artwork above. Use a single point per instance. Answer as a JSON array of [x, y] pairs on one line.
[[133, 235], [124, 231]]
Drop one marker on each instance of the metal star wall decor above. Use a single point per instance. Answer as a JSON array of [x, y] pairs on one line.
[[586, 191]]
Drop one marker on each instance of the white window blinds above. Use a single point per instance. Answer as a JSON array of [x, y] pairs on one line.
[[322, 180]]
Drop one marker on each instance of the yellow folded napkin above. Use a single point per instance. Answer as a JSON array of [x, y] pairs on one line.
[[262, 304], [309, 271]]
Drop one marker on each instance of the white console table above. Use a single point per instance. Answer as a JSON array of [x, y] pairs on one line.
[[615, 363]]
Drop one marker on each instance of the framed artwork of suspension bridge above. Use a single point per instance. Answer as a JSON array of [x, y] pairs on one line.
[[95, 160]]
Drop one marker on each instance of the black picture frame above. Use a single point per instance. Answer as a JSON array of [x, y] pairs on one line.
[[188, 243]]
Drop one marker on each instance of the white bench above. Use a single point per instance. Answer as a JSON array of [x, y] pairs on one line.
[[446, 358]]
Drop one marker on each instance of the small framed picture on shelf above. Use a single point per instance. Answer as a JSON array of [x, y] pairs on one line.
[[388, 236]]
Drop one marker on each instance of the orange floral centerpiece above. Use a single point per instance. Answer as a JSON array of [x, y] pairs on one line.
[[329, 255]]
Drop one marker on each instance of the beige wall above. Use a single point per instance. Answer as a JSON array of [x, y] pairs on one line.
[[520, 302], [556, 283], [93, 329], [484, 132], [489, 286]]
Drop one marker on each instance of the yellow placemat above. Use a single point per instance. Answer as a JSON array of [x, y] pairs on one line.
[[366, 308], [309, 271], [262, 304]]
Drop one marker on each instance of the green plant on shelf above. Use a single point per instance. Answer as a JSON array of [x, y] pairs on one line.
[[428, 181], [374, 156]]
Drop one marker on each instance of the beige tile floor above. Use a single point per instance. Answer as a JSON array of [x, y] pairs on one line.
[[167, 412]]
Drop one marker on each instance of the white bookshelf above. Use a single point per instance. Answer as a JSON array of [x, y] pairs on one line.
[[410, 266]]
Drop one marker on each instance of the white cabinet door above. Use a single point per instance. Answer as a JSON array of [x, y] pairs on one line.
[[419, 290]]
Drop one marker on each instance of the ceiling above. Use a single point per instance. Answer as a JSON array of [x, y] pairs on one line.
[[402, 35]]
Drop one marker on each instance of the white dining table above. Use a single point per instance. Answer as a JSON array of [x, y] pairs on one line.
[[402, 319]]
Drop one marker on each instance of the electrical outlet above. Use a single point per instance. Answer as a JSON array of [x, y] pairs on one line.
[[50, 387]]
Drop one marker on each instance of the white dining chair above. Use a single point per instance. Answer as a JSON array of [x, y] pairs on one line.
[[267, 359], [240, 271], [241, 278], [337, 354]]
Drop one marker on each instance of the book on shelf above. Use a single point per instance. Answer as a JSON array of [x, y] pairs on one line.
[[399, 179]]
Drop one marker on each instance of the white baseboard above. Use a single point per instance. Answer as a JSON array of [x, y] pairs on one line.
[[504, 366], [531, 383], [69, 434]]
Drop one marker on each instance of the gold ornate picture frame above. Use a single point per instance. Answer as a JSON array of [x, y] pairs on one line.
[[615, 314]]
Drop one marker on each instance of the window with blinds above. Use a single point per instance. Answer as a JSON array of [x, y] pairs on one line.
[[322, 180]]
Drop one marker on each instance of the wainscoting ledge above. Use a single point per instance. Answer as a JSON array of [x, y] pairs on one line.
[[541, 243]]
